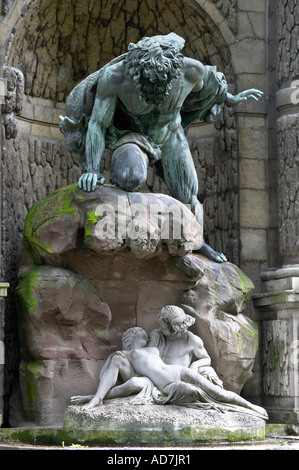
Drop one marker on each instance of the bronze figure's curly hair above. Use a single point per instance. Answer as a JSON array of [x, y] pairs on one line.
[[153, 66]]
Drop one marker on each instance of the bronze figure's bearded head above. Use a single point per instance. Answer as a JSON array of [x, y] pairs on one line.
[[153, 63]]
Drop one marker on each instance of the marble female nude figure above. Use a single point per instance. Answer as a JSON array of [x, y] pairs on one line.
[[147, 362]]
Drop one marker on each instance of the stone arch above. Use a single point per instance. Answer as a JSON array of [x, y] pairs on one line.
[[69, 40]]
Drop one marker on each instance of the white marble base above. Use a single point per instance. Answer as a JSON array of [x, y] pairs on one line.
[[121, 422]]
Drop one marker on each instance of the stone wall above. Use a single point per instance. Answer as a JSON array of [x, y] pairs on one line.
[[278, 303]]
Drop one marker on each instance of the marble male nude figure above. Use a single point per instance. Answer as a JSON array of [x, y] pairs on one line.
[[140, 105]]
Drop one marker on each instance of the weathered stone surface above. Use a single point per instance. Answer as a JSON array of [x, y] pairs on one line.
[[56, 42], [119, 422], [287, 33], [67, 299], [51, 40], [47, 386], [231, 338], [113, 220], [125, 273], [13, 100], [278, 305], [62, 315], [288, 193], [214, 174]]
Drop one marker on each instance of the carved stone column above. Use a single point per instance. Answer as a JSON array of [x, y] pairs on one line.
[[279, 303]]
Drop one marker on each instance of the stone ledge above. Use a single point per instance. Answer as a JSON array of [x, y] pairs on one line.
[[123, 423], [33, 437]]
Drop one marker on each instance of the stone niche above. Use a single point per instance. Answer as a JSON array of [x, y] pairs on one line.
[[96, 264]]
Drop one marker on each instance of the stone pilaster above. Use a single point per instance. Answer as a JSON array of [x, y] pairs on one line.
[[279, 308], [279, 301], [288, 175]]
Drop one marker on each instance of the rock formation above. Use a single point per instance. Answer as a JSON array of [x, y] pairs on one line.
[[98, 263]]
